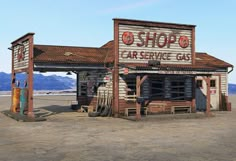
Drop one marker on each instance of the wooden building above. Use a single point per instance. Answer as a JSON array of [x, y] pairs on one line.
[[148, 64]]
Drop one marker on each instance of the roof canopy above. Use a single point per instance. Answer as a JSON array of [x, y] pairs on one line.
[[69, 58]]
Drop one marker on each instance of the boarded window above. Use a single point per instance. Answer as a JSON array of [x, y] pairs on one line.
[[177, 89], [157, 87], [199, 84]]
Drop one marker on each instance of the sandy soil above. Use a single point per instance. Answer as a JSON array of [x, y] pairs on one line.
[[69, 136]]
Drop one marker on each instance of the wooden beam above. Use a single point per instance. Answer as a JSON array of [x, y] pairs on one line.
[[30, 78], [193, 94], [138, 106], [142, 80], [208, 108], [13, 78], [116, 71], [77, 86]]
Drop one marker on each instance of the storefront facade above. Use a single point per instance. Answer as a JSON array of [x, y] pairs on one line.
[[148, 64]]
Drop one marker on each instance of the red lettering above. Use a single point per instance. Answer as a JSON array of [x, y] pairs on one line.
[[185, 57], [150, 38], [188, 57], [171, 39], [160, 40], [151, 55], [168, 56], [162, 34], [178, 56], [146, 55], [163, 56], [141, 39], [141, 54], [123, 54], [135, 54], [129, 55]]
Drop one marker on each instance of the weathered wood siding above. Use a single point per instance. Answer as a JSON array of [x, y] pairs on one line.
[[122, 87], [224, 83], [21, 55], [174, 48], [188, 87], [92, 79]]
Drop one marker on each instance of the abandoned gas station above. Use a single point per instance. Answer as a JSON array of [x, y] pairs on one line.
[[149, 66]]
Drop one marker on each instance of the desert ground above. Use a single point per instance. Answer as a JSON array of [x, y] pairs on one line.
[[72, 136]]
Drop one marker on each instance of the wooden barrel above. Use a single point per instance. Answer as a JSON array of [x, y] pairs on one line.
[[15, 99], [23, 100]]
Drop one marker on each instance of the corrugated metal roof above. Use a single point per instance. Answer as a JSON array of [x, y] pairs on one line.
[[71, 55], [206, 60], [105, 54]]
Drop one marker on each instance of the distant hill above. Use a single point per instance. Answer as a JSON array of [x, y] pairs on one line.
[[55, 82], [232, 88], [41, 82]]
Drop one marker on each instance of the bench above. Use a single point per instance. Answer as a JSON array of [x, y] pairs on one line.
[[133, 110], [180, 108], [156, 107]]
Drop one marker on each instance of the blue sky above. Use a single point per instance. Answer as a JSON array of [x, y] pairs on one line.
[[89, 23]]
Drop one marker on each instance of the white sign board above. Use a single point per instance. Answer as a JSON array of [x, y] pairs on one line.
[[21, 55], [138, 44]]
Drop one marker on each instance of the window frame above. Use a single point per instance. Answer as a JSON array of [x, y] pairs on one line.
[[213, 83], [130, 86], [162, 81], [177, 90]]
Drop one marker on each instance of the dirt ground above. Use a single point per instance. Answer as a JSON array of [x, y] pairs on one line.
[[72, 136]]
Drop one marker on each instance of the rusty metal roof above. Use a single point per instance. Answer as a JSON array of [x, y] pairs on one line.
[[105, 54], [71, 55], [206, 60]]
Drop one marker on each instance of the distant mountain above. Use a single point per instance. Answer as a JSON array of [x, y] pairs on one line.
[[232, 88], [55, 82], [41, 82]]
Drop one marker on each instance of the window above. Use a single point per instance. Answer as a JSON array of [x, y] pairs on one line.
[[178, 89], [213, 83], [83, 88], [131, 85], [199, 84], [157, 87]]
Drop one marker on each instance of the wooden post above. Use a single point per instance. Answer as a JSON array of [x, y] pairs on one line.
[[193, 94], [13, 79], [220, 93], [116, 71], [139, 82], [77, 86], [30, 78], [27, 67], [138, 105], [208, 108]]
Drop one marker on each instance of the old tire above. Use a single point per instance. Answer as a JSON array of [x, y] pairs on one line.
[[93, 114]]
